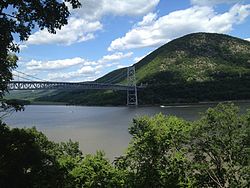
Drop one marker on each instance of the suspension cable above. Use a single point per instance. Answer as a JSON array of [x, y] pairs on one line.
[[30, 76], [115, 78], [22, 77]]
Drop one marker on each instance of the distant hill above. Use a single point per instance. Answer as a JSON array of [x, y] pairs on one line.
[[195, 67]]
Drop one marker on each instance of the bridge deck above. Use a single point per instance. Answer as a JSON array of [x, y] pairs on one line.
[[36, 85]]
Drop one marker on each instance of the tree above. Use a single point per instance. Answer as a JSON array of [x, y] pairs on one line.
[[95, 171], [220, 146], [155, 156], [19, 17], [5, 75], [25, 162]]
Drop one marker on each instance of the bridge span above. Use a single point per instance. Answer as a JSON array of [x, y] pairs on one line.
[[39, 85], [130, 87]]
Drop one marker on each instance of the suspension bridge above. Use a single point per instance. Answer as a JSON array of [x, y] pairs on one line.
[[33, 83]]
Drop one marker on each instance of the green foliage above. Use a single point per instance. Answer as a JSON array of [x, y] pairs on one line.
[[77, 97], [221, 149], [24, 163], [7, 106], [5, 70], [96, 171], [155, 156]]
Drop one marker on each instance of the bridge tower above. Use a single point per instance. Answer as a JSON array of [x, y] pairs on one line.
[[132, 99]]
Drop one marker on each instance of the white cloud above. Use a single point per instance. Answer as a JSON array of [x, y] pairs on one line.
[[22, 46], [77, 30], [56, 64], [213, 2], [248, 39], [179, 23], [85, 73], [148, 19], [96, 9], [115, 57], [67, 63], [71, 69], [85, 21]]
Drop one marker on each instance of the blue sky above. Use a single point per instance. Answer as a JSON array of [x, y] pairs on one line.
[[108, 34]]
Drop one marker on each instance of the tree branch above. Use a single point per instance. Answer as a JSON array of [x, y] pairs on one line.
[[216, 180]]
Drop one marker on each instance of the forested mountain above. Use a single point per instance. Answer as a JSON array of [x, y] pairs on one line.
[[195, 67]]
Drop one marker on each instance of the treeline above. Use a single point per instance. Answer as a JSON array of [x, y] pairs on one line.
[[165, 151], [160, 93], [217, 90], [83, 97]]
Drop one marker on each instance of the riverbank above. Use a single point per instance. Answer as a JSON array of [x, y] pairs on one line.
[[48, 103]]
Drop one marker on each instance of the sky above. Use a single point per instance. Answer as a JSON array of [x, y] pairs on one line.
[[104, 35]]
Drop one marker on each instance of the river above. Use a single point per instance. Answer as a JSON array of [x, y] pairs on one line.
[[96, 128]]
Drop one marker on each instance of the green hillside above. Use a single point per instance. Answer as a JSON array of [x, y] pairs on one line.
[[196, 67]]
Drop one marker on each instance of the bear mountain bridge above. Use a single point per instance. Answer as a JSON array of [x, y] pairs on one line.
[[110, 84]]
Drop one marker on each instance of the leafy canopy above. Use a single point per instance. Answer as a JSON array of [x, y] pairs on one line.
[[220, 147], [19, 17]]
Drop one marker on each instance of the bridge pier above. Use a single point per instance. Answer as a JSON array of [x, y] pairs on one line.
[[132, 98]]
